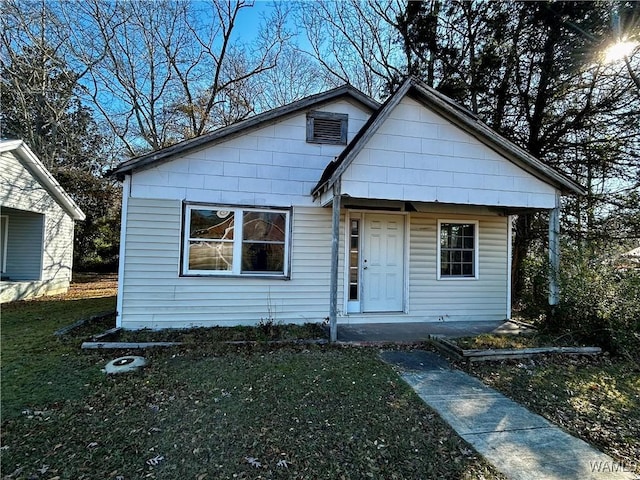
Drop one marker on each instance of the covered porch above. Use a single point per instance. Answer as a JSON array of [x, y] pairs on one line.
[[402, 271]]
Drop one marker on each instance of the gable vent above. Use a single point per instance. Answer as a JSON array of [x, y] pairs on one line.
[[327, 127]]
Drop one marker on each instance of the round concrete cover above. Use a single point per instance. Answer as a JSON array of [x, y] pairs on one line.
[[125, 364]]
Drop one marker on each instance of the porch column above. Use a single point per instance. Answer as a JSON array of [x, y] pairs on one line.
[[554, 253], [335, 242]]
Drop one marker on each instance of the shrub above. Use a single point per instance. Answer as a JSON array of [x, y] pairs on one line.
[[600, 304]]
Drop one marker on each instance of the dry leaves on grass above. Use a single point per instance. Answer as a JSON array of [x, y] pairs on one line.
[[596, 399]]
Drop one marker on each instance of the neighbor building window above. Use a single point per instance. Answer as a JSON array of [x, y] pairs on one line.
[[458, 249], [235, 241], [327, 127]]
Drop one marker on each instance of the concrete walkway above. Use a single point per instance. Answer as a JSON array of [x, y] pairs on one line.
[[519, 443]]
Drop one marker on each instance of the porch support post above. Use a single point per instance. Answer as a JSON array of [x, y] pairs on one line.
[[335, 242], [554, 253]]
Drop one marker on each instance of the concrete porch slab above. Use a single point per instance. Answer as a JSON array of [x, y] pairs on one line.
[[420, 331]]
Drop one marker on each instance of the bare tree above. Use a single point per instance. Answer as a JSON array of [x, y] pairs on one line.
[[355, 42], [159, 72], [296, 76]]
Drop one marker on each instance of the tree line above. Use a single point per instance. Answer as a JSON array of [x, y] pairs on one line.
[[89, 83]]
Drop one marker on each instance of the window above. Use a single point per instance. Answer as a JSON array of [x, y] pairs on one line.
[[354, 260], [457, 250], [327, 127], [235, 241]]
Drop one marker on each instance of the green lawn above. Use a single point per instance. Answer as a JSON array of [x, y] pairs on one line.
[[597, 399], [209, 410]]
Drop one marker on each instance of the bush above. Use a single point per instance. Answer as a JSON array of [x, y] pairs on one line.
[[600, 304]]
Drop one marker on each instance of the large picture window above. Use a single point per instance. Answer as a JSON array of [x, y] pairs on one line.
[[457, 249], [235, 241]]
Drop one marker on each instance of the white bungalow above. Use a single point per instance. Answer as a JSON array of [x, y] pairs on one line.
[[36, 226], [331, 208]]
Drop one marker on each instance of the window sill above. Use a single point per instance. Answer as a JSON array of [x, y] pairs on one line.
[[449, 279], [232, 275]]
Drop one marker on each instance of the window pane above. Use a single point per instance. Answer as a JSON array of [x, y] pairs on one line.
[[264, 226], [444, 235], [457, 244], [353, 292], [262, 257], [353, 275], [210, 255], [468, 230], [216, 224], [444, 263]]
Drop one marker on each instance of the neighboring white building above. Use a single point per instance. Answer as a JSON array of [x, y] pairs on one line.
[[332, 207], [36, 226]]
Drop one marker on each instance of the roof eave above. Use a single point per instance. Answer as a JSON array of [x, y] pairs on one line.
[[44, 177], [242, 126], [463, 119], [497, 142]]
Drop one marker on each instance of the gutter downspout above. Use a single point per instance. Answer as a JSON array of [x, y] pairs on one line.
[[335, 242], [126, 193]]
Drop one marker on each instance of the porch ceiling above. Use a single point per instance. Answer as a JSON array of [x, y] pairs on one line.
[[355, 203]]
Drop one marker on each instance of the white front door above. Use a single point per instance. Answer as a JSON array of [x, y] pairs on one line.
[[382, 263]]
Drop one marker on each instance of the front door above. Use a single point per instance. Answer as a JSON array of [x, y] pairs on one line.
[[382, 263]]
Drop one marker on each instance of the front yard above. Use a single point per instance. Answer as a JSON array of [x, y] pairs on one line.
[[213, 410], [209, 410], [596, 399]]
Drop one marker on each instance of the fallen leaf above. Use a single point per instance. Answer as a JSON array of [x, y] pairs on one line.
[[155, 460], [253, 462]]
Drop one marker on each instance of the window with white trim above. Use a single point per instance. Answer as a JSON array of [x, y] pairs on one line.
[[220, 240], [457, 249]]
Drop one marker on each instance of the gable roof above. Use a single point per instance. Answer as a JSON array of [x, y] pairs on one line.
[[458, 116], [256, 121], [44, 177]]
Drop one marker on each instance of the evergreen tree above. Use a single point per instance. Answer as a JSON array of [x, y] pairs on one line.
[[40, 104], [531, 71]]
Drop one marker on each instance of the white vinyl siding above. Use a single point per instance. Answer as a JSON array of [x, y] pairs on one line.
[[431, 299], [40, 235], [156, 296], [456, 299]]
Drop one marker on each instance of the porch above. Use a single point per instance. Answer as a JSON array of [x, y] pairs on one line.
[[404, 332]]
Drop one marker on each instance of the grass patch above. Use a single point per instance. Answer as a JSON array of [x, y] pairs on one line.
[[597, 398], [267, 332], [209, 410], [489, 341], [37, 367]]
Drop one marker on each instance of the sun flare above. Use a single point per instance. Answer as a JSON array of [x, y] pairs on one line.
[[619, 50]]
